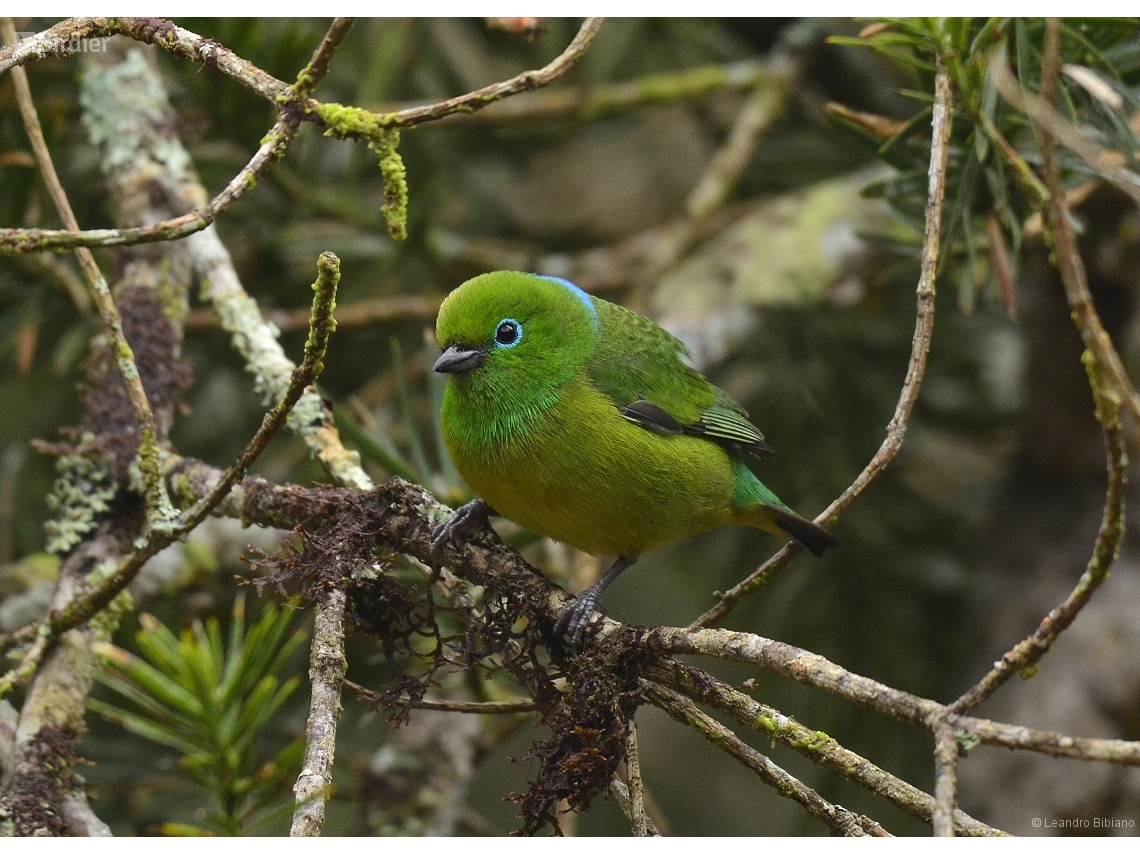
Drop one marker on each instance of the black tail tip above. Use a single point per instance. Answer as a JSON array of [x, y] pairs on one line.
[[814, 538]]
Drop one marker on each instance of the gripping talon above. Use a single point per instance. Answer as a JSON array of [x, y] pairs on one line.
[[576, 616], [475, 513]]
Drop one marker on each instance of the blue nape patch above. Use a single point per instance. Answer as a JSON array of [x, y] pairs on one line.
[[579, 293]]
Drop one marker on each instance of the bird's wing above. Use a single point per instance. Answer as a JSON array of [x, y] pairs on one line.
[[639, 366]]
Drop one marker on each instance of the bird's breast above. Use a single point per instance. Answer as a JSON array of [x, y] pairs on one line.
[[577, 471]]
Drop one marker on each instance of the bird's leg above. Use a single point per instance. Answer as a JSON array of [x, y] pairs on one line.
[[475, 513], [577, 615]]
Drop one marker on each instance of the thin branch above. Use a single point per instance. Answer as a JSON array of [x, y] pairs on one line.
[[638, 816], [321, 326], [326, 673], [841, 821], [812, 744], [318, 66], [160, 511], [291, 102], [1023, 657], [760, 111], [945, 779], [924, 326], [1055, 126], [605, 99], [444, 705], [811, 669], [104, 587], [1110, 387], [29, 662], [273, 145]]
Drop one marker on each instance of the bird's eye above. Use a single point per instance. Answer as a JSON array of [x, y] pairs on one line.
[[508, 333]]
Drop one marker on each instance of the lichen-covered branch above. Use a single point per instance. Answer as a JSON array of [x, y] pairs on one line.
[[158, 503], [916, 368], [809, 668], [841, 821], [815, 745], [326, 672], [38, 768], [103, 586]]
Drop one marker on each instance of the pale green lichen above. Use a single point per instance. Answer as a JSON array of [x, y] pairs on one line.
[[82, 492], [435, 514], [967, 741], [123, 105], [145, 474], [107, 619]]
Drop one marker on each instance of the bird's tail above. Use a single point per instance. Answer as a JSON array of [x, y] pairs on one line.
[[759, 507], [814, 538]]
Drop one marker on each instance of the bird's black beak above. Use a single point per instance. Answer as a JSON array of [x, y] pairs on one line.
[[457, 359]]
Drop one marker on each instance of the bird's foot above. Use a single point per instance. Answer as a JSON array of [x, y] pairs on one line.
[[576, 616], [475, 513]]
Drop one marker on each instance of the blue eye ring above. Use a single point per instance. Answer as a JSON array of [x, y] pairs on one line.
[[508, 333]]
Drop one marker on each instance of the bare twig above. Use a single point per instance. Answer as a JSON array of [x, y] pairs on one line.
[[318, 66], [158, 502], [841, 821], [924, 326], [945, 779], [326, 672], [1110, 386], [605, 99]]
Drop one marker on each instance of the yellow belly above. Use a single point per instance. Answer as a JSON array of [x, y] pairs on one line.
[[584, 475]]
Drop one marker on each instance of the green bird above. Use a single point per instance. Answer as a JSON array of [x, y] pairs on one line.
[[578, 419]]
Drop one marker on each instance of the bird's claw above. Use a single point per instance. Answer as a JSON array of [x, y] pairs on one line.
[[466, 517], [576, 616]]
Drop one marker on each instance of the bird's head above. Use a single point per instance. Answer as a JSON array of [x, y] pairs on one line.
[[515, 333]]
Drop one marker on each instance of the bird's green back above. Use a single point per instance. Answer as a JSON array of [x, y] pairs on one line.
[[635, 360]]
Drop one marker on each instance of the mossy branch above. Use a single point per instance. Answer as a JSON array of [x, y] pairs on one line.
[[292, 102], [104, 584], [159, 509]]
